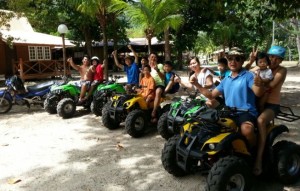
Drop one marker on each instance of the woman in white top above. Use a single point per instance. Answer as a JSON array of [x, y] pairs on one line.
[[203, 76]]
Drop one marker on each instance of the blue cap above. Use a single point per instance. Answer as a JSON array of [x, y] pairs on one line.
[[277, 51]]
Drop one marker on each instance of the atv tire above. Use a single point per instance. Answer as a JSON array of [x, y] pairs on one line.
[[107, 121], [50, 105], [97, 106], [169, 157], [162, 126], [287, 161], [66, 108], [5, 105], [135, 123], [229, 173]]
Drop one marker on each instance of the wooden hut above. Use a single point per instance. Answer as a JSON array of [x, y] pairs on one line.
[[29, 53]]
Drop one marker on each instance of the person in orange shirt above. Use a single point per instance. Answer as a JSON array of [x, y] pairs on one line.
[[147, 84]]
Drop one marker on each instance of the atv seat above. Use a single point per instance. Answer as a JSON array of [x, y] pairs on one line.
[[40, 87], [286, 114]]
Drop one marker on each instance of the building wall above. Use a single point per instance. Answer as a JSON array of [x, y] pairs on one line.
[[7, 58], [22, 52], [2, 58]]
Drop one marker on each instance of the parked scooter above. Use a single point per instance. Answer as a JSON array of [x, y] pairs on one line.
[[16, 93]]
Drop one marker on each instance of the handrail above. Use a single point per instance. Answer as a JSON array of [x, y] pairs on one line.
[[40, 69]]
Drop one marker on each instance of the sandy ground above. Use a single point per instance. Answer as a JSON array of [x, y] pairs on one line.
[[44, 152]]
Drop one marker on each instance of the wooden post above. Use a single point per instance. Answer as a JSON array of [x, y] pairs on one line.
[[21, 69]]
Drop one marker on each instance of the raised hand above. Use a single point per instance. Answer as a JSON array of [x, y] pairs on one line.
[[193, 80], [70, 60], [129, 47], [253, 54]]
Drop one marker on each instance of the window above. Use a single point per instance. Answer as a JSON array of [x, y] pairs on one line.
[[39, 53]]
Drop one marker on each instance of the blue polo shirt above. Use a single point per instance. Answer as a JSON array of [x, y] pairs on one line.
[[238, 91], [132, 72]]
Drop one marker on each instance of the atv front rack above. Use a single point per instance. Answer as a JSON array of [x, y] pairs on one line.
[[286, 114]]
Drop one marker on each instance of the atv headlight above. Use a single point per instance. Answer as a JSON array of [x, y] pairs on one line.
[[57, 91], [211, 146]]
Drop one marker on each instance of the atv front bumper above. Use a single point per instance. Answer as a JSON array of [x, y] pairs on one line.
[[189, 156]]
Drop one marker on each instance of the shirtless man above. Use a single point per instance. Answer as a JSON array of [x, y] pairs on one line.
[[271, 107], [82, 69]]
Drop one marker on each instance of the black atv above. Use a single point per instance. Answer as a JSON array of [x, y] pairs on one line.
[[211, 143]]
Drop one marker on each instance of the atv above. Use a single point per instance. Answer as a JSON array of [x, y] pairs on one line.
[[181, 109], [115, 111], [211, 143], [67, 106], [63, 99], [57, 93], [131, 108], [105, 93], [139, 119]]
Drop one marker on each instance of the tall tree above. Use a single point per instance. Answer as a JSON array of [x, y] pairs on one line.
[[98, 9], [154, 16]]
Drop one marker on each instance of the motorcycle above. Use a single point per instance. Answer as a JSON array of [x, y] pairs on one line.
[[16, 94]]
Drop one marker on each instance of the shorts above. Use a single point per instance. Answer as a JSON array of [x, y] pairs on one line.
[[161, 87], [85, 82], [274, 107], [174, 89], [243, 117], [95, 83]]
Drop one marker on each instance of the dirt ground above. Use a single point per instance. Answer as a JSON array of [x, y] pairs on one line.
[[44, 152]]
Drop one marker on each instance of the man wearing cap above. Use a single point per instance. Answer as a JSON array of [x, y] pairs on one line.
[[239, 91], [271, 107], [131, 68]]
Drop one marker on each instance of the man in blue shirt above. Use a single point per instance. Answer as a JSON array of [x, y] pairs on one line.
[[131, 68], [239, 90]]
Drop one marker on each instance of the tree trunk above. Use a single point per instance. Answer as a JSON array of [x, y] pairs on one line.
[[149, 44], [179, 59], [115, 37], [295, 23], [149, 34], [88, 43], [102, 21], [167, 45]]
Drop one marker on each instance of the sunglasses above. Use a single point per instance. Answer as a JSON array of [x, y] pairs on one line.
[[235, 58]]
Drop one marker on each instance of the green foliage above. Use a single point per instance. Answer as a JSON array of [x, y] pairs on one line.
[[153, 16], [204, 44]]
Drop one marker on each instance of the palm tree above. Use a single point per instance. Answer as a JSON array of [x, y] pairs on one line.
[[98, 9], [154, 16]]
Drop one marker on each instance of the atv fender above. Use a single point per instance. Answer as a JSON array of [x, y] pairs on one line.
[[139, 100], [234, 141], [274, 132]]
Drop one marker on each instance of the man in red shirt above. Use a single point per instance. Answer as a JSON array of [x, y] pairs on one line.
[[97, 70]]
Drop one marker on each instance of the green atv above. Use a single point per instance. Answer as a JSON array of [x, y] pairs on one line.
[[59, 92], [181, 109], [211, 143], [105, 93], [63, 99]]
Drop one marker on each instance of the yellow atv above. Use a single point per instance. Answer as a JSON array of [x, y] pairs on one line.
[[129, 108], [211, 143], [139, 119]]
